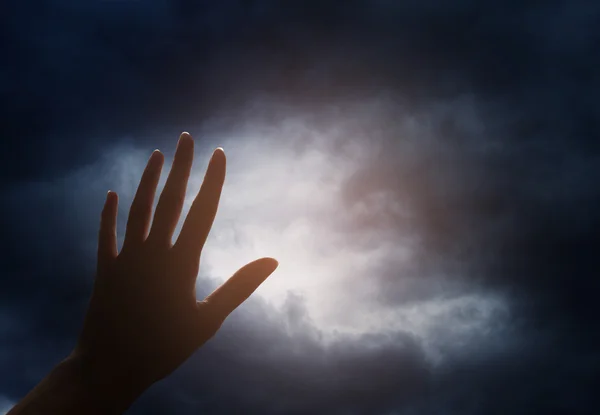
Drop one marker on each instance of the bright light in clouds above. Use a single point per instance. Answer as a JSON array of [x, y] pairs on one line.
[[279, 202], [284, 197], [286, 202]]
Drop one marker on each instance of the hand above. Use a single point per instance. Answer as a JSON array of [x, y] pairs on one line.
[[143, 319]]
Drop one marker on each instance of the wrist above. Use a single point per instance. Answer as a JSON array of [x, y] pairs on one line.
[[104, 389], [79, 386]]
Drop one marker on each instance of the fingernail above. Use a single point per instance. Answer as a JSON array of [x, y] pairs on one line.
[[155, 156], [186, 141], [271, 264]]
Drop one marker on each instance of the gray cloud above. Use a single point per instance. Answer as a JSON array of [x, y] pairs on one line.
[[319, 330], [425, 173]]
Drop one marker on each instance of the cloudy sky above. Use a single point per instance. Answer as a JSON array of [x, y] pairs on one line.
[[424, 171]]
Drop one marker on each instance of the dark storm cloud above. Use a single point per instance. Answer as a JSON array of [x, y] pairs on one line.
[[505, 196], [251, 367], [80, 73]]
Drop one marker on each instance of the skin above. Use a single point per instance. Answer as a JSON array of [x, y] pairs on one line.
[[143, 319]]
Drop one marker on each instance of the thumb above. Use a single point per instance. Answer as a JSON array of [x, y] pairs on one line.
[[233, 292]]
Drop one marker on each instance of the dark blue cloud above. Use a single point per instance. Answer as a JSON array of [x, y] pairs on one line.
[[507, 201]]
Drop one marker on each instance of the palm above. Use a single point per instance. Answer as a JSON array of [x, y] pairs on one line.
[[143, 317]]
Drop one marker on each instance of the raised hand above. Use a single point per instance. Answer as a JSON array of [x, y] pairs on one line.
[[144, 320]]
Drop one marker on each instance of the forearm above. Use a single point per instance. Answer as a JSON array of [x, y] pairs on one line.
[[73, 387]]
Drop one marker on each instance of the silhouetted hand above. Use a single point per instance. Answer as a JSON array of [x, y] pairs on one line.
[[143, 320]]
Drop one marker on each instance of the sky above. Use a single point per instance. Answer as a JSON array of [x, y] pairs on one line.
[[424, 171]]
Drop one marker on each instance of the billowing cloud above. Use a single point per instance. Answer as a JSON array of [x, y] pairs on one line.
[[292, 193], [424, 172]]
